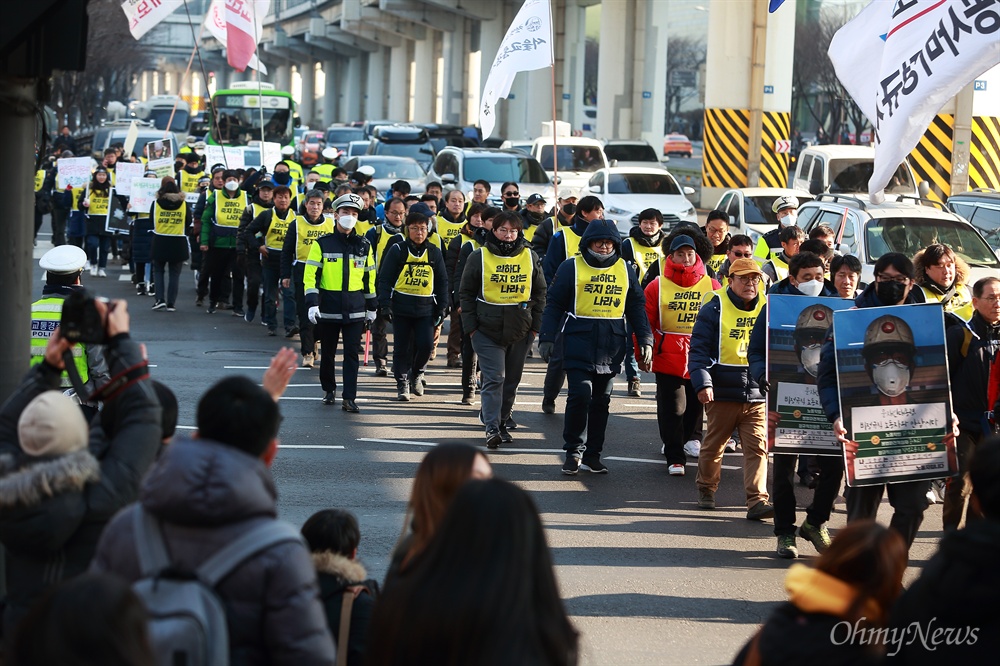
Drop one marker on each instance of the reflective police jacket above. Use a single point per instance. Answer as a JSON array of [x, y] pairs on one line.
[[340, 277], [46, 314], [412, 281], [719, 345]]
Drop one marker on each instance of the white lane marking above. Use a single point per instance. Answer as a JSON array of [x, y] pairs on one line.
[[124, 278], [180, 427], [288, 397], [252, 367], [308, 446], [657, 462]]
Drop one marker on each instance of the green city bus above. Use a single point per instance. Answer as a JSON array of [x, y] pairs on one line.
[[235, 114]]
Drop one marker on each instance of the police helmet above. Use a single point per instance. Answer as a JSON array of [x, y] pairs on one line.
[[329, 153], [349, 201], [783, 203], [63, 260], [287, 151]]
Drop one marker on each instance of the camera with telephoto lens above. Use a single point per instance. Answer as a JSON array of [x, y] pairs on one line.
[[81, 320]]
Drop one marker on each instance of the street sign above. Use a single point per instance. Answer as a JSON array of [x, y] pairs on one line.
[[684, 78], [566, 95], [980, 84], [768, 90], [646, 94], [782, 146]]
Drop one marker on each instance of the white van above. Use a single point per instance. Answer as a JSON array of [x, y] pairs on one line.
[[577, 158], [846, 170]]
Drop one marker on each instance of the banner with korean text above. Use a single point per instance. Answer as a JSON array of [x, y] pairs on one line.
[[144, 15]]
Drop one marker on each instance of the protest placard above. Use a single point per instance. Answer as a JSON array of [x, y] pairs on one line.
[[895, 397], [162, 167], [116, 220], [125, 173], [230, 156], [143, 194], [73, 171], [797, 326]]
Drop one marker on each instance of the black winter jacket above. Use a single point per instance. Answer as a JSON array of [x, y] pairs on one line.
[[543, 235], [336, 574], [170, 249], [555, 254], [728, 383], [206, 494], [480, 235], [407, 305], [970, 372], [503, 324]]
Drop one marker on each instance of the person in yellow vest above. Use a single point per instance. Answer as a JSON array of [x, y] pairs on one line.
[[642, 249], [171, 215], [717, 231], [413, 296], [776, 268], [43, 196], [672, 304], [720, 375], [503, 297], [786, 212], [480, 195], [63, 267], [565, 210], [532, 215], [339, 281], [300, 236], [219, 224], [95, 202], [382, 237], [265, 238], [942, 277], [593, 295], [325, 170], [294, 168], [247, 256], [449, 221], [473, 221], [189, 176]]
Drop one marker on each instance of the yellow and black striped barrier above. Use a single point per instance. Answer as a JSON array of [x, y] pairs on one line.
[[726, 154], [984, 161], [931, 159], [774, 165]]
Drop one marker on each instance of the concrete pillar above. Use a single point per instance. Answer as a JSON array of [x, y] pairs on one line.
[[375, 106], [649, 93], [331, 92], [350, 99], [574, 52], [399, 85], [614, 85], [490, 35], [307, 105], [283, 77], [423, 78], [453, 55]]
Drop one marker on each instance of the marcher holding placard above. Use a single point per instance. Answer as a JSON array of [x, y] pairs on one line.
[[94, 202], [171, 216]]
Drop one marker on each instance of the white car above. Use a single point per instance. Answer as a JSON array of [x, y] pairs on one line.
[[749, 208], [461, 167], [577, 158], [626, 191]]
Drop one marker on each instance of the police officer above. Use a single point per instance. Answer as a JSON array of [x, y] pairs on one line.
[[413, 295], [593, 294], [325, 170], [339, 279], [294, 168], [790, 238], [63, 267], [381, 238], [785, 209]]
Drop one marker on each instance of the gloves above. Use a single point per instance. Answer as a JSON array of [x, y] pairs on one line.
[[314, 314], [764, 385], [370, 316], [439, 319], [647, 355], [545, 350]]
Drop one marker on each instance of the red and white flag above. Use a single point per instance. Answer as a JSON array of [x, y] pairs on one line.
[[238, 25], [143, 15]]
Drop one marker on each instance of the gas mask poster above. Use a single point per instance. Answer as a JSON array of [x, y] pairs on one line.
[[895, 397], [796, 328]]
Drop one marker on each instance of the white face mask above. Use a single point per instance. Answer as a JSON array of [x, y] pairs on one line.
[[811, 287], [789, 220], [347, 222], [891, 377], [810, 359], [232, 185]]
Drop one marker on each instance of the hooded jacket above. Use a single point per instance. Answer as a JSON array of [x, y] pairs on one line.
[[592, 345], [636, 237], [407, 305], [480, 236], [503, 324], [670, 351], [170, 249], [206, 494], [338, 576]]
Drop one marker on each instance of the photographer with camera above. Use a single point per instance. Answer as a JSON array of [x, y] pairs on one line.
[[59, 484]]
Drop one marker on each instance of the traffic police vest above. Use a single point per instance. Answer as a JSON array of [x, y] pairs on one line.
[[506, 280], [417, 276], [274, 239], [45, 317], [447, 230], [325, 172], [306, 234], [571, 242], [645, 256], [39, 179], [600, 292], [169, 222], [189, 185], [715, 262], [960, 304], [295, 170], [679, 305], [780, 267], [734, 329], [228, 212], [100, 202]]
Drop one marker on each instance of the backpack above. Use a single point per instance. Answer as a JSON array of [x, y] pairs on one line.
[[187, 621]]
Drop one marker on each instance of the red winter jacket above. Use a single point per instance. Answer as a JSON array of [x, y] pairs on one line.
[[670, 351]]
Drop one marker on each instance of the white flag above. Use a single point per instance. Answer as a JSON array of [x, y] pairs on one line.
[[215, 21], [902, 61], [526, 46], [143, 15]]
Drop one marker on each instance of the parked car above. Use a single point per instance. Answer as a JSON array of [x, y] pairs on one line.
[[980, 207], [577, 158], [311, 146], [903, 224], [623, 153], [749, 208], [389, 169], [338, 136], [626, 191], [448, 135], [370, 126], [115, 132], [522, 145], [846, 170], [463, 166], [354, 148], [403, 141], [677, 144]]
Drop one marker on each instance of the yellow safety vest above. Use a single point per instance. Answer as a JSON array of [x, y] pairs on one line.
[[645, 256], [325, 172], [39, 179], [417, 276], [715, 262], [169, 222], [734, 329], [275, 237], [475, 243], [780, 267], [189, 185], [436, 240], [960, 304], [258, 209], [306, 234], [447, 230], [99, 203], [571, 242], [529, 232], [557, 225], [45, 317], [383, 241], [229, 211], [679, 305], [506, 280], [295, 171], [363, 227], [600, 292]]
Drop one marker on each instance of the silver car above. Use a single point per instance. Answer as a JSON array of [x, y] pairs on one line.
[[461, 167], [389, 169]]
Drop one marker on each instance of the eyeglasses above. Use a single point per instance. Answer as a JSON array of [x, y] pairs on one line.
[[742, 255], [394, 213], [746, 279], [504, 231], [418, 228], [603, 242], [512, 194], [901, 279]]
